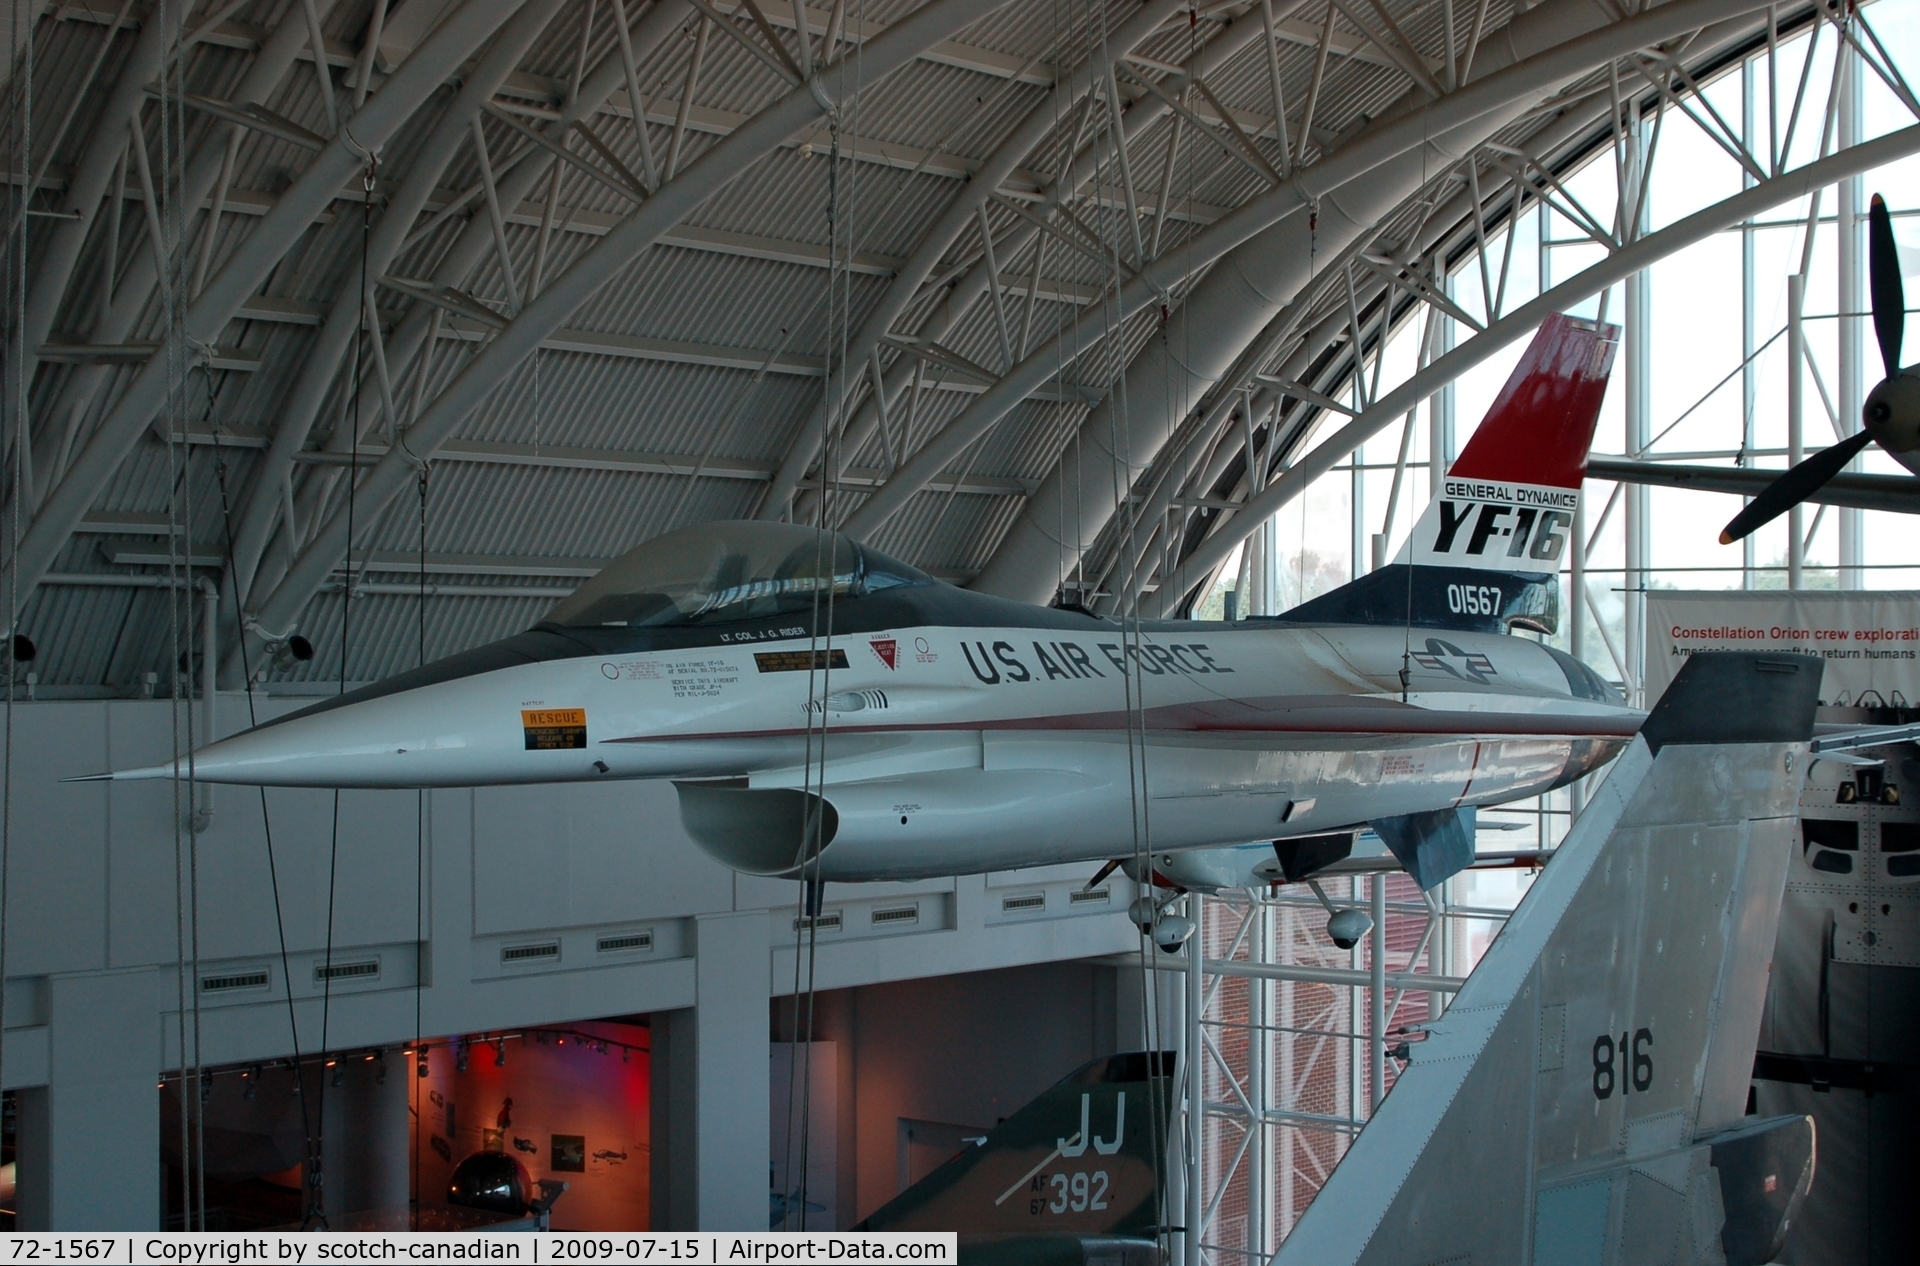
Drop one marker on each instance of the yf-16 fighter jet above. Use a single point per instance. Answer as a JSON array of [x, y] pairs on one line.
[[821, 705]]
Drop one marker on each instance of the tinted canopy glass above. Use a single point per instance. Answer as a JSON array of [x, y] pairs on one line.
[[717, 573]]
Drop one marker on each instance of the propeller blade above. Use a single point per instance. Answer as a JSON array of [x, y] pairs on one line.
[[1889, 295], [1793, 487]]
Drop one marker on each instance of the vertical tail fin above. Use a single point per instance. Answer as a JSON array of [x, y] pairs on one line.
[[1486, 553], [1082, 1159], [1582, 1100], [1507, 501]]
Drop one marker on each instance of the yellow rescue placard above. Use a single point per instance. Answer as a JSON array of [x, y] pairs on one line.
[[554, 729]]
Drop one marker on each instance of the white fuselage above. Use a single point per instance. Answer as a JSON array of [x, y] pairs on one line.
[[947, 750]]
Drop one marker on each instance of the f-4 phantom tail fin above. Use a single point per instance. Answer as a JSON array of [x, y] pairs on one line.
[[1582, 1099], [1485, 556], [1074, 1176]]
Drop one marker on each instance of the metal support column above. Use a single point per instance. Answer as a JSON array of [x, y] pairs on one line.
[[1637, 335], [1192, 1058], [1796, 420], [1259, 1045], [1852, 303], [1357, 506], [1357, 1012], [1377, 998], [1440, 407], [1270, 569], [1749, 334], [1284, 921]]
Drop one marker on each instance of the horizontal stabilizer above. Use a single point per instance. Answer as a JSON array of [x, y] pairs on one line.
[[1582, 1100], [1737, 697], [1766, 1170]]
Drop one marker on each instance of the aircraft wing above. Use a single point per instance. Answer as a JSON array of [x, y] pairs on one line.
[[1898, 493]]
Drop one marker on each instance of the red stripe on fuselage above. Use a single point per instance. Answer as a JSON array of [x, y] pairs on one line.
[[1471, 771], [1353, 716]]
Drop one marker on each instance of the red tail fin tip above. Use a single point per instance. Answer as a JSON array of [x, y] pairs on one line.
[[1541, 425]]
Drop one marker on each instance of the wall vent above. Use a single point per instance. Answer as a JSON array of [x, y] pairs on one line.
[[828, 922], [366, 969], [897, 914], [625, 941], [234, 980], [1089, 897], [543, 952], [1017, 905]]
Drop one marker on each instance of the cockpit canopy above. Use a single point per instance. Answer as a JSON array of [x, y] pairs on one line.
[[719, 573]]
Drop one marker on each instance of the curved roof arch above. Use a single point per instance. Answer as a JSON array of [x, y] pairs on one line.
[[891, 273]]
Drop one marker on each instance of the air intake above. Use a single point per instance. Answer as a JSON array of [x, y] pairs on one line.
[[829, 922], [545, 951], [367, 969], [234, 980], [1019, 905], [1086, 897], [897, 914], [625, 941]]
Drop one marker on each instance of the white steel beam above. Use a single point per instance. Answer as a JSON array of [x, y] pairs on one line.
[[246, 268], [705, 176], [345, 317], [1043, 119], [1566, 38], [1851, 261], [120, 313], [1630, 259], [54, 260]]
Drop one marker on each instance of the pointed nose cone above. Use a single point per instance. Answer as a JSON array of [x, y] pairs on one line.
[[457, 722], [355, 745], [452, 733]]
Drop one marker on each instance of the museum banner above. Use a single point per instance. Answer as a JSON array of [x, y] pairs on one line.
[[1870, 639]]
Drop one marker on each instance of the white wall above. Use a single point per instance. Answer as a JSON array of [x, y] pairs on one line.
[[93, 943]]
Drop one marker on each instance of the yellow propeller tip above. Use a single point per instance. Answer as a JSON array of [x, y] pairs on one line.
[[1726, 538], [1879, 201]]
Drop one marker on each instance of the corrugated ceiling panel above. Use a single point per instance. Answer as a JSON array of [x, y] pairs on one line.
[[632, 405]]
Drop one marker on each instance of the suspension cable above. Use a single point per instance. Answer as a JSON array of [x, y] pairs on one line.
[[253, 719], [13, 261], [419, 848], [316, 1182], [169, 220]]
